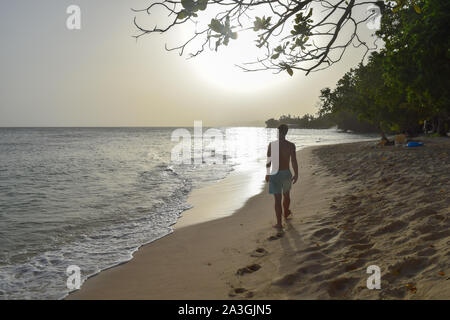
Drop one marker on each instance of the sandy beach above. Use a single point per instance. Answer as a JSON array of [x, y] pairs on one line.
[[355, 205]]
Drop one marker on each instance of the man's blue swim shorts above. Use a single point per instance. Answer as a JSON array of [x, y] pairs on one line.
[[280, 182]]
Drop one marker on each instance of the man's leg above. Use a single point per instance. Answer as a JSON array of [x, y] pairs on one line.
[[278, 210], [286, 203]]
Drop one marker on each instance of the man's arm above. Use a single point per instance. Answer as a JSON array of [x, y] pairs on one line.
[[294, 163]]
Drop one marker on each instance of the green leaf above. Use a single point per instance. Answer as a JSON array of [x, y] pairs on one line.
[[261, 23], [202, 4], [257, 24], [289, 70], [183, 14], [278, 49], [275, 56], [188, 5], [417, 9], [216, 26]]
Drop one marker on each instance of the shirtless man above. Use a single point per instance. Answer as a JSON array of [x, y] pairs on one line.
[[280, 178]]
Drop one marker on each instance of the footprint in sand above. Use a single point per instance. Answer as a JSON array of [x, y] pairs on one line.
[[260, 252], [248, 269], [407, 268], [325, 234], [340, 287], [241, 291], [275, 237]]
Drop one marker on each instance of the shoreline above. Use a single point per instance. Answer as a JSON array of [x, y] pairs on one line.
[[209, 260], [205, 209]]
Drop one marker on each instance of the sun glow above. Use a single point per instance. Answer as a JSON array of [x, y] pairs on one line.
[[220, 68]]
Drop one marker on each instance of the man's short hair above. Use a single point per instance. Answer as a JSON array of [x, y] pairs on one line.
[[283, 129]]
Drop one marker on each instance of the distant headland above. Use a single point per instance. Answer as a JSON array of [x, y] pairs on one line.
[[344, 122]]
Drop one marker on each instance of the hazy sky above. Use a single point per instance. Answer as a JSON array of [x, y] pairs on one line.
[[100, 76]]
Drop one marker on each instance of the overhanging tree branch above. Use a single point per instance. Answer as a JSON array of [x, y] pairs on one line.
[[306, 35]]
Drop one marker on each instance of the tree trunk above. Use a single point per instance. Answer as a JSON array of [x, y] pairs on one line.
[[441, 127], [433, 125], [383, 136]]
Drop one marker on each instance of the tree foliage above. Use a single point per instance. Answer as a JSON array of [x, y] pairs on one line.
[[417, 62], [306, 122], [407, 82]]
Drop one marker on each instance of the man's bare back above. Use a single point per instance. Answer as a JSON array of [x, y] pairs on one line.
[[286, 151], [286, 154]]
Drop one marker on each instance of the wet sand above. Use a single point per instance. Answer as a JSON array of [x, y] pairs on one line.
[[355, 205]]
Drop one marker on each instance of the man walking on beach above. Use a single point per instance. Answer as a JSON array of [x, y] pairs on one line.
[[279, 154]]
